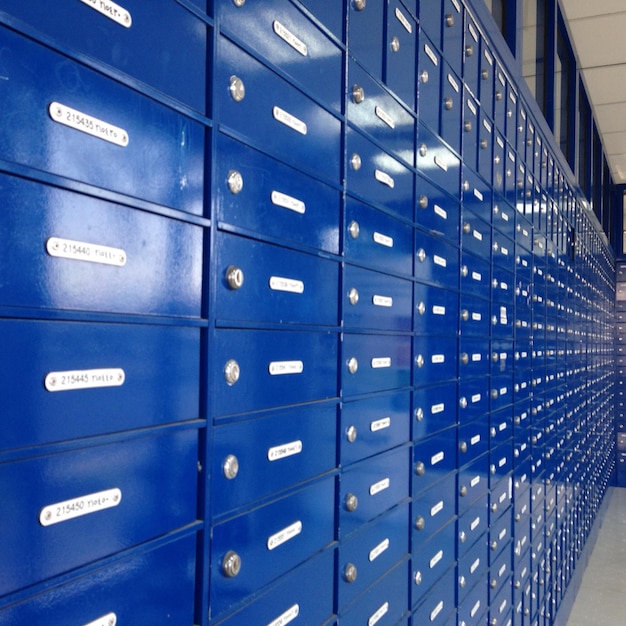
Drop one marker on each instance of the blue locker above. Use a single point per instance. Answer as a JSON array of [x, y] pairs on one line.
[[258, 194], [472, 609], [270, 452], [473, 482], [255, 548], [487, 75], [260, 282], [485, 147], [330, 15], [472, 43], [437, 607], [371, 552], [291, 41], [433, 458], [76, 252], [473, 357], [472, 568], [373, 425], [475, 275], [477, 197], [436, 261], [152, 44], [260, 369], [437, 162], [430, 19], [473, 399], [80, 379], [471, 129], [435, 359], [473, 440], [371, 487], [435, 308], [272, 114], [374, 111], [451, 104], [71, 508], [163, 576], [366, 34], [453, 31], [434, 409], [377, 240], [437, 212], [377, 177], [70, 110], [433, 509], [429, 64], [474, 317], [472, 525]]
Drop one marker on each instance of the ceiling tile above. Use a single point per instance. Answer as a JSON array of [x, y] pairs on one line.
[[615, 143], [606, 85], [611, 118], [583, 8], [599, 41]]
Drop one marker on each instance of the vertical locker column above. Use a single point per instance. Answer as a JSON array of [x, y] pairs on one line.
[[101, 310], [274, 346], [376, 312], [620, 365]]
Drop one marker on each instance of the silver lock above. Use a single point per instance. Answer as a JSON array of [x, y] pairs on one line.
[[350, 573], [494, 507], [518, 584], [465, 315], [449, 20], [469, 51], [483, 144], [230, 466], [466, 185], [231, 565], [462, 537], [493, 621], [462, 582], [463, 402], [239, 3], [421, 308], [463, 491], [467, 126], [234, 277], [395, 44], [354, 229], [464, 358], [498, 95], [353, 365], [234, 182], [494, 320], [351, 502], [420, 468], [420, 523], [484, 75], [463, 447], [423, 202], [353, 296], [351, 433], [417, 578], [493, 431], [232, 372], [358, 94], [494, 394], [424, 76], [467, 228], [421, 255], [419, 360], [423, 150], [448, 103], [237, 89], [355, 162], [359, 5], [494, 546], [494, 583], [419, 414], [464, 271]]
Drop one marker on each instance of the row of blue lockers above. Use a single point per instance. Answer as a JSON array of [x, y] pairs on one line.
[[620, 379], [384, 370]]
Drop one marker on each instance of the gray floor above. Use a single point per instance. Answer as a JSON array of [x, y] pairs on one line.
[[602, 595]]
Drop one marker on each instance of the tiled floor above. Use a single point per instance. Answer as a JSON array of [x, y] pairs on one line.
[[602, 595]]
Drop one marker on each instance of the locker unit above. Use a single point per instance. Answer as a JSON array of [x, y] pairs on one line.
[[303, 320]]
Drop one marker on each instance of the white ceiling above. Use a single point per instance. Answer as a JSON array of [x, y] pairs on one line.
[[598, 30]]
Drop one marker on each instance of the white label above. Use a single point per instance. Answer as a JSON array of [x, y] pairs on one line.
[[380, 424], [503, 391], [438, 359], [284, 535], [402, 19], [284, 450], [487, 126], [504, 287], [437, 408], [477, 235], [475, 565], [383, 240], [505, 251], [289, 120], [378, 550], [82, 251], [488, 57], [439, 310], [457, 6], [478, 194], [436, 509], [472, 31], [88, 124], [288, 616], [439, 162], [477, 276], [384, 178], [502, 498], [72, 380], [440, 212], [474, 525], [477, 317], [287, 36], [439, 260], [502, 569], [476, 398], [437, 458], [280, 368], [453, 83], [111, 10], [436, 559], [385, 301], [500, 142], [77, 507], [278, 283], [381, 485], [505, 216], [475, 481], [436, 611], [381, 114], [380, 613], [380, 362], [287, 202], [477, 357], [475, 609], [431, 55], [502, 534], [501, 78], [471, 106], [110, 619]]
